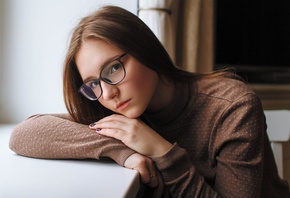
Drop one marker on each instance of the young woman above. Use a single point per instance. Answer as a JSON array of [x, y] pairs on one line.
[[188, 135]]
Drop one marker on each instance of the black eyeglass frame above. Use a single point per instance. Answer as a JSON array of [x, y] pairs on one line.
[[98, 80]]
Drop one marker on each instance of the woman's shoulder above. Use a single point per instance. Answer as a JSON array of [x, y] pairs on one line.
[[222, 87]]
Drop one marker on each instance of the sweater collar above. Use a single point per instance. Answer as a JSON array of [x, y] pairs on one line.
[[174, 109]]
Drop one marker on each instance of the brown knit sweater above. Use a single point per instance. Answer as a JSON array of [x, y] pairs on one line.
[[221, 148]]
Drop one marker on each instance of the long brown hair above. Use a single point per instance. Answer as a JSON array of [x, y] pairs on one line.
[[127, 32]]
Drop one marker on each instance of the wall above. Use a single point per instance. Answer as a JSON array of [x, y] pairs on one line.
[[34, 40], [1, 66]]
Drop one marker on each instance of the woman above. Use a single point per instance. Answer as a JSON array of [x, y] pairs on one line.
[[188, 135]]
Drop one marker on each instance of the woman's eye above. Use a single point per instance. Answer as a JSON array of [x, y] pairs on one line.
[[93, 84], [115, 68]]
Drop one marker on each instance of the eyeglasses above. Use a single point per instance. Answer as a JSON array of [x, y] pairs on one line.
[[112, 74]]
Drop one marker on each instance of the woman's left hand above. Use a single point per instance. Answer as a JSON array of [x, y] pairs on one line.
[[133, 133]]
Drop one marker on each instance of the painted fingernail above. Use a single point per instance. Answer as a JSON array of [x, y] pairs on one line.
[[98, 129], [92, 124]]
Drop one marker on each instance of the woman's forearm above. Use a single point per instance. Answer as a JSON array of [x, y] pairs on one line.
[[58, 137]]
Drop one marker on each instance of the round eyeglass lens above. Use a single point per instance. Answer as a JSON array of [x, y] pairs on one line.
[[91, 92], [113, 73]]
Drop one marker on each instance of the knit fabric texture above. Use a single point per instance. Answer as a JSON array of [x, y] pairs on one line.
[[217, 128]]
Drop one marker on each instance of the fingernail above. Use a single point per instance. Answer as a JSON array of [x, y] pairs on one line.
[[98, 129], [92, 124]]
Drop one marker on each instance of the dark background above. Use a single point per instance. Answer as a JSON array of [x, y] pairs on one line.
[[253, 36]]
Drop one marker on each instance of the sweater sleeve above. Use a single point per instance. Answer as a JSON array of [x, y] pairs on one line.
[[236, 155], [239, 148], [180, 176], [56, 136]]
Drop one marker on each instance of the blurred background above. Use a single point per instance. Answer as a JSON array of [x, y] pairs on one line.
[[200, 36], [33, 40]]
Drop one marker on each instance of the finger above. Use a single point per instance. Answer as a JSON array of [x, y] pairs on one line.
[[114, 133], [109, 119], [110, 125], [158, 191], [119, 131], [153, 175], [114, 117], [144, 174], [153, 180], [148, 174]]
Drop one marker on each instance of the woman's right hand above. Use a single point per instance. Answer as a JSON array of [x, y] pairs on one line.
[[146, 168]]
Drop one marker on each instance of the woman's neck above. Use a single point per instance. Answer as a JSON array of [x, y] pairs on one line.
[[163, 95], [172, 106]]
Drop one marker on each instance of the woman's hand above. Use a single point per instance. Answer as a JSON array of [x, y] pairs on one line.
[[145, 167], [133, 133], [148, 173]]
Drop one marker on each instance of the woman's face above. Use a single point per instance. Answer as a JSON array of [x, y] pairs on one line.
[[133, 95]]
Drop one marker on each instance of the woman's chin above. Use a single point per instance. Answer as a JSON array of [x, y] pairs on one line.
[[132, 114]]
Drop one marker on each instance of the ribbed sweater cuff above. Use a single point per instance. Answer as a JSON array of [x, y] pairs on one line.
[[122, 157], [173, 164]]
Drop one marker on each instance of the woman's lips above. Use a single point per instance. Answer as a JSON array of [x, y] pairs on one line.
[[123, 105]]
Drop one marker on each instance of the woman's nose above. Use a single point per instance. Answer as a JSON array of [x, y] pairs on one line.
[[109, 91]]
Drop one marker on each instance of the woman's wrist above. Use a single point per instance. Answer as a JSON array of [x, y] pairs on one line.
[[161, 149]]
